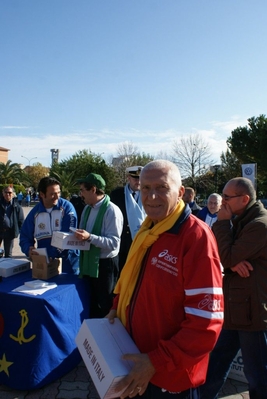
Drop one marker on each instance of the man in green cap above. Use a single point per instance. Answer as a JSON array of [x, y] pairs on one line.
[[101, 224]]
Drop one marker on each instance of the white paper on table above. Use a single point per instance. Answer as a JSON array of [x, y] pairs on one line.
[[35, 287]]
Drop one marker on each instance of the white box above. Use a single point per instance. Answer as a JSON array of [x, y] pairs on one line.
[[101, 345], [237, 369], [10, 267], [64, 240]]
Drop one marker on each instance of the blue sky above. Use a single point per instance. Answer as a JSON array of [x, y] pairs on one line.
[[94, 74]]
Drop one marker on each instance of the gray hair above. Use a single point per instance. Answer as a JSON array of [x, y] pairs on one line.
[[218, 197], [8, 186]]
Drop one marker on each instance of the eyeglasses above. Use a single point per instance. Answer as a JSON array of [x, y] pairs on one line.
[[228, 197], [8, 192]]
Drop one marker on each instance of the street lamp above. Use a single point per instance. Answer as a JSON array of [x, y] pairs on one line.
[[199, 154], [216, 168], [29, 160]]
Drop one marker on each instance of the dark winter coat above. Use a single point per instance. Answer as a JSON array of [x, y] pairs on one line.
[[16, 218], [244, 238]]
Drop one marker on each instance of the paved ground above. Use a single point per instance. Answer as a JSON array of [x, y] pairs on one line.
[[16, 251], [78, 385]]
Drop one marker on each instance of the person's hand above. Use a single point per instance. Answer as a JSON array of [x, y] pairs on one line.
[[32, 252], [136, 382], [243, 268], [224, 213], [111, 315], [82, 235]]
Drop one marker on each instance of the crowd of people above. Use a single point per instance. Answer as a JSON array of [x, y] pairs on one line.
[[188, 283]]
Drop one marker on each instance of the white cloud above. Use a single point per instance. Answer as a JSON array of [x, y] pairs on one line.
[[14, 127], [107, 141], [228, 126]]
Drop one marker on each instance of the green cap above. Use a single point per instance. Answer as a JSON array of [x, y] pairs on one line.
[[95, 180]]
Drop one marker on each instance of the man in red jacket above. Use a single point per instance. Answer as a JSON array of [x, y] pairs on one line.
[[169, 295]]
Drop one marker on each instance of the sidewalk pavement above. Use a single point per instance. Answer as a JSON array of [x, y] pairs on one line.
[[78, 385]]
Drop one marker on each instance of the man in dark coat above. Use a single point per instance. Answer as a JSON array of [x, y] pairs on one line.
[[189, 198], [241, 234], [11, 219], [128, 199]]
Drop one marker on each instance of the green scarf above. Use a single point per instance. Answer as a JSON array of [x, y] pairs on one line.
[[89, 260]]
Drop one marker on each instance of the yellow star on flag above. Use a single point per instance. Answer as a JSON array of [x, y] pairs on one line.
[[4, 364]]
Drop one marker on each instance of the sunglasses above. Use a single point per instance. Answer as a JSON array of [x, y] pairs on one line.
[[228, 197], [8, 192]]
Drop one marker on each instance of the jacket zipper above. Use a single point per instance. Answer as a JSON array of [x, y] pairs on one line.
[[136, 289]]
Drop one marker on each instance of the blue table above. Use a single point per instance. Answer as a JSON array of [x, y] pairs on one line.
[[37, 333]]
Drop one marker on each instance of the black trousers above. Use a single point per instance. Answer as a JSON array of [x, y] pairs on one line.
[[8, 246], [101, 288], [153, 392]]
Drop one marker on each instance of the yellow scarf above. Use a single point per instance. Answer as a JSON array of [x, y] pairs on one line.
[[143, 240]]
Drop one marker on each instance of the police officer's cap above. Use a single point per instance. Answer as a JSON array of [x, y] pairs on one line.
[[134, 171]]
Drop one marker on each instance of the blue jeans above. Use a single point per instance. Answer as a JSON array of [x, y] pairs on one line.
[[253, 345]]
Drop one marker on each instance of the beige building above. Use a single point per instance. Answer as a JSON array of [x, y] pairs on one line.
[[4, 154]]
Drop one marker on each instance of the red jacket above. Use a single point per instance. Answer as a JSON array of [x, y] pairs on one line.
[[176, 311]]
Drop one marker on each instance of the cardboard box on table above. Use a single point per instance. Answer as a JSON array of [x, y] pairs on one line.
[[10, 267], [237, 369], [64, 240], [101, 346], [43, 270]]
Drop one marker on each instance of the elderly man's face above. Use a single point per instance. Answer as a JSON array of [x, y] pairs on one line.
[[213, 205], [160, 193]]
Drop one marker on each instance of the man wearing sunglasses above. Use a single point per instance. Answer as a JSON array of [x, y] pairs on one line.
[[11, 219], [241, 233]]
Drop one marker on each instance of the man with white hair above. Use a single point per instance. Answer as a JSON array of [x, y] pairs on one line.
[[169, 295], [209, 213], [128, 199]]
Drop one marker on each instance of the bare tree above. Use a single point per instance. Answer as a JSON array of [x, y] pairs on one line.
[[128, 155], [127, 150], [163, 155], [191, 155]]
